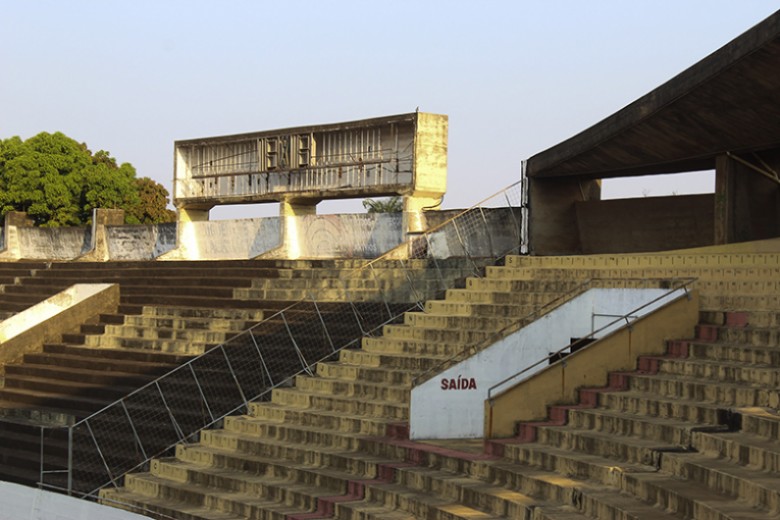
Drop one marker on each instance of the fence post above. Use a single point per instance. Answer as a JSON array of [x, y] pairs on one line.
[[262, 360], [200, 390], [232, 373], [132, 427], [324, 327], [301, 357], [70, 460]]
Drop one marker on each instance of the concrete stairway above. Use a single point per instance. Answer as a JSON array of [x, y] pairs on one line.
[[325, 446], [694, 432], [690, 435], [169, 313]]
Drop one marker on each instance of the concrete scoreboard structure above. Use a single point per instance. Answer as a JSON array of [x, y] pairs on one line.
[[298, 167]]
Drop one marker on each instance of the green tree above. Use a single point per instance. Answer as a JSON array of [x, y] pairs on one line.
[[151, 207], [58, 182], [389, 205]]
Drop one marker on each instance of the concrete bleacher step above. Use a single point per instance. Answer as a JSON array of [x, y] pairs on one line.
[[497, 297], [364, 389], [422, 320], [385, 345], [726, 394], [124, 335], [489, 310], [356, 405], [403, 360], [165, 309], [174, 312], [193, 323], [426, 492]]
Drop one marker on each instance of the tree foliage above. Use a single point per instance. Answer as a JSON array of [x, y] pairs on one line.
[[58, 182], [389, 205]]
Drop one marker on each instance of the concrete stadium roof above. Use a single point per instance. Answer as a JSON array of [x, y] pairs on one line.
[[727, 102]]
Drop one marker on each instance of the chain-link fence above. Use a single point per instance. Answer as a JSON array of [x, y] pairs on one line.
[[337, 314]]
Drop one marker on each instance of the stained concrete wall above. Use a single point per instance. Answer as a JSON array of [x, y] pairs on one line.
[[351, 235], [645, 224], [140, 242], [484, 232], [232, 239], [54, 243]]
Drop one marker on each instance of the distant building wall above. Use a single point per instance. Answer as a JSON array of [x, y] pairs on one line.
[[645, 224]]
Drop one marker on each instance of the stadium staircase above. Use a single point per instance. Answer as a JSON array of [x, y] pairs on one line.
[[169, 313], [693, 434]]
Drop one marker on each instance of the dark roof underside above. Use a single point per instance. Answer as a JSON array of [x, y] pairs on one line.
[[727, 102]]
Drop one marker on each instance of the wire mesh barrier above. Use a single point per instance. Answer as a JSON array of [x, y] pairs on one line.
[[97, 450]]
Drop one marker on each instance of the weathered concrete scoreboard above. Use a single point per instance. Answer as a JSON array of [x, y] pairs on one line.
[[402, 155]]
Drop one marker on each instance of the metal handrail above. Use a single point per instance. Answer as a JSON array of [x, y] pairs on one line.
[[504, 331], [684, 283]]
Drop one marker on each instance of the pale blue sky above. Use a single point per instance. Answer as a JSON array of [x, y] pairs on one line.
[[515, 77]]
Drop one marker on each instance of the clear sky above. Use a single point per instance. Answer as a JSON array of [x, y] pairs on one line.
[[515, 77]]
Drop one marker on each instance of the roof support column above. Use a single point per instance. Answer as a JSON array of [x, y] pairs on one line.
[[747, 203], [553, 227]]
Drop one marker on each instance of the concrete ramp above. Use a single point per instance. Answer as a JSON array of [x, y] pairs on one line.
[[27, 331]]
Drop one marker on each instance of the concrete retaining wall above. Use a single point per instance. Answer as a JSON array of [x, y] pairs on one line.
[[27, 331], [140, 242], [54, 243], [237, 239], [484, 232], [354, 235]]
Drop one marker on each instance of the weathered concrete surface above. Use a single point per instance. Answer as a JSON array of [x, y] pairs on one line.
[[26, 503], [101, 218], [334, 236], [362, 235], [402, 155], [54, 243], [140, 242], [226, 239], [64, 312]]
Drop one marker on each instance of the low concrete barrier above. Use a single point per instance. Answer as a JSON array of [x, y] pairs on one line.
[[140, 242], [451, 405], [360, 235], [589, 367], [26, 503], [27, 331]]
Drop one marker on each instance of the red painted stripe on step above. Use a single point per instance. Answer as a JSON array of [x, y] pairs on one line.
[[706, 332], [737, 319], [326, 506], [677, 348]]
